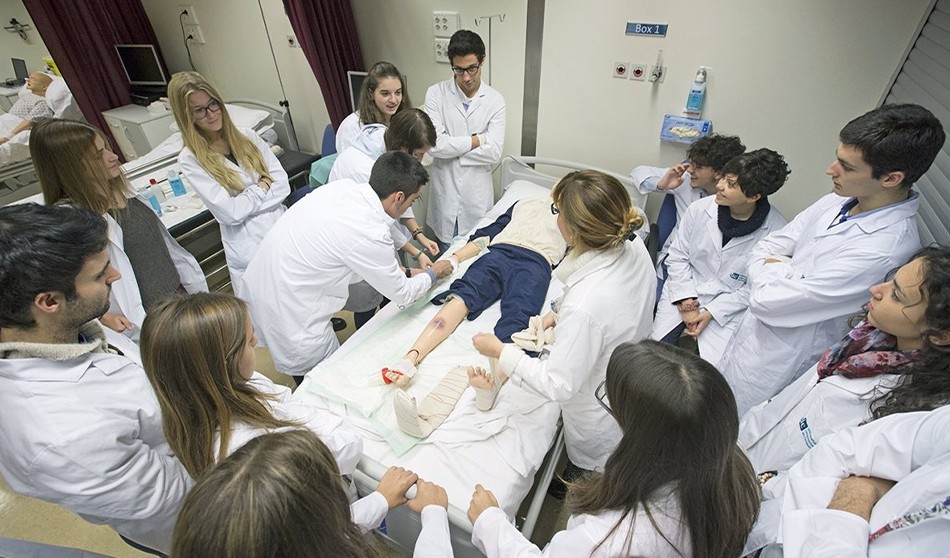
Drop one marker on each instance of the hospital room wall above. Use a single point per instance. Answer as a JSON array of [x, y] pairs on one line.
[[236, 57], [784, 75], [12, 46]]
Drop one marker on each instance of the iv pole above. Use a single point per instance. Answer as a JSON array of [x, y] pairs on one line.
[[501, 18]]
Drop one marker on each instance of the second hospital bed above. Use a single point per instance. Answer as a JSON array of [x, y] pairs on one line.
[[504, 449]]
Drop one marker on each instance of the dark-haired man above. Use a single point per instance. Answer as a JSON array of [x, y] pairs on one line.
[[335, 236], [80, 424], [809, 276], [469, 120]]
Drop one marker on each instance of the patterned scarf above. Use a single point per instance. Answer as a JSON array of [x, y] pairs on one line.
[[864, 353], [913, 518]]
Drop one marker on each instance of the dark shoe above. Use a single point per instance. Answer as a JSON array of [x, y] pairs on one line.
[[558, 487], [339, 324]]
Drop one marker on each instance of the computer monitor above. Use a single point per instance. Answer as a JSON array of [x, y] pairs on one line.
[[355, 80], [141, 65], [19, 69]]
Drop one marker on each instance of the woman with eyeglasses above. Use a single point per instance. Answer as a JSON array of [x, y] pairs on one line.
[[383, 94], [676, 485], [609, 287], [232, 170], [75, 166]]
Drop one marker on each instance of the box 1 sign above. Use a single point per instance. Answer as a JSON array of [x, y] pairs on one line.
[[647, 29]]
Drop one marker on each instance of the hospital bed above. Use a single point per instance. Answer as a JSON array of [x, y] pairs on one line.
[[508, 449]]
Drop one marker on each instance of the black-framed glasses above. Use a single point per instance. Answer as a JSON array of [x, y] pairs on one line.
[[601, 394], [554, 209], [202, 112], [471, 70]]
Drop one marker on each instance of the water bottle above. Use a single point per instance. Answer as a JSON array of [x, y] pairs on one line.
[[175, 181], [149, 195]]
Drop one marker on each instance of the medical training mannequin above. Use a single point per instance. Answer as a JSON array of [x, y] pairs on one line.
[[469, 119], [809, 276], [198, 352], [382, 95], [29, 108], [232, 170], [524, 244], [705, 291], [675, 485], [281, 496], [75, 166], [609, 286], [896, 361]]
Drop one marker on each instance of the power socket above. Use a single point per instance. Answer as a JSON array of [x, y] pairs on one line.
[[194, 31], [444, 24], [638, 71], [190, 17], [442, 51]]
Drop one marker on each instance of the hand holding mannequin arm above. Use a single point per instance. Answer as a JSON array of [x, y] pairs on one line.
[[420, 237]]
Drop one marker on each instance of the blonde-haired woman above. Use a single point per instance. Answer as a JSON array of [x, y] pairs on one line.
[[198, 354], [231, 169], [75, 165], [609, 287]]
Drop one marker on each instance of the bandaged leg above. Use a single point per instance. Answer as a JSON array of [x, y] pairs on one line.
[[420, 420], [437, 330], [487, 384]]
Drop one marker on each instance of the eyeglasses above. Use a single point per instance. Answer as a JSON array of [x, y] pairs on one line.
[[202, 112], [554, 209], [471, 70], [601, 394]]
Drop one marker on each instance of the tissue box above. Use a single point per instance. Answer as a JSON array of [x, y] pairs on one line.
[[679, 129]]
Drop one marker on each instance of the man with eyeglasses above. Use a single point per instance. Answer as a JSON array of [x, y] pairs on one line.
[[469, 120]]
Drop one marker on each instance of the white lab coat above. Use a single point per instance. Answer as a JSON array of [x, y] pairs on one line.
[[300, 275], [699, 266], [776, 434], [912, 448], [347, 132], [125, 297], [645, 179], [460, 178], [606, 302], [799, 308], [495, 536], [244, 219], [86, 433]]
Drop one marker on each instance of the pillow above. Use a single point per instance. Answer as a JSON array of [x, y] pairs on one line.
[[60, 100]]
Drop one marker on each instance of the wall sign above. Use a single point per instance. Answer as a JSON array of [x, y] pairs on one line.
[[647, 29]]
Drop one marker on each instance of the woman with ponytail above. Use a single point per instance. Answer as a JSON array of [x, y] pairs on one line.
[[609, 285]]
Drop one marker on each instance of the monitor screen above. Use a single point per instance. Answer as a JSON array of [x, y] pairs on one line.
[[141, 64], [19, 68], [355, 80]]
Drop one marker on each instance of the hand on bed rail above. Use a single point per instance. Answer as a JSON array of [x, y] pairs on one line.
[[482, 499], [394, 484], [427, 494]]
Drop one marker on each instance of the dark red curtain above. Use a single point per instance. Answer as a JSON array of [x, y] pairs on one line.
[[326, 31], [80, 36]]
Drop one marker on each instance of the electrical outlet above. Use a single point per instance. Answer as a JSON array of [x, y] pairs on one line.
[[190, 17], [292, 41], [442, 51], [194, 31], [620, 69], [638, 71], [444, 24]]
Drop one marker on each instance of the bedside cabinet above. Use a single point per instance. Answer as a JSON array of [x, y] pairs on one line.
[[136, 130]]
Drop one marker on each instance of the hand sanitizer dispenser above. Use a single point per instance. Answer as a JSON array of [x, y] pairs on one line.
[[697, 93]]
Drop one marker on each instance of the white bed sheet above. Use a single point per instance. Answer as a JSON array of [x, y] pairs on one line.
[[501, 449]]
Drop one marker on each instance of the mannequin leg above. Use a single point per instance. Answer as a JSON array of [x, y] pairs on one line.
[[420, 420], [437, 330], [486, 384]]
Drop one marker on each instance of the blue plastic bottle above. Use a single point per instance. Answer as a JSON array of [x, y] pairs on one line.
[[178, 186], [697, 93], [152, 200]]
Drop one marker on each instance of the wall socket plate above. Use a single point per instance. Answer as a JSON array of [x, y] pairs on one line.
[[662, 77], [638, 71], [442, 51], [621, 69], [195, 31], [292, 42], [444, 24], [192, 17]]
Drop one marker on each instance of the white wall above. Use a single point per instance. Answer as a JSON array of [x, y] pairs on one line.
[[236, 57], [12, 46], [785, 75]]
